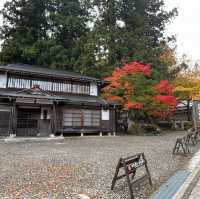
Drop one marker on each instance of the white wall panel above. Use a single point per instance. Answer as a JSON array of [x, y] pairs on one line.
[[3, 80], [93, 89]]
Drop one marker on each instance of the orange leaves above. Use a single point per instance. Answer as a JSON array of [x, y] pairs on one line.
[[115, 98], [136, 67], [133, 105], [129, 89], [116, 75]]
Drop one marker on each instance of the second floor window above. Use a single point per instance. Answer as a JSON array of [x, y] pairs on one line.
[[55, 86]]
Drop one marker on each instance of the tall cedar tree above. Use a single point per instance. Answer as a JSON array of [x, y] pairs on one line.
[[129, 30], [24, 23], [44, 32]]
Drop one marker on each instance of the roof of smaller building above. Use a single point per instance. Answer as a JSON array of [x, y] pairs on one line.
[[31, 69]]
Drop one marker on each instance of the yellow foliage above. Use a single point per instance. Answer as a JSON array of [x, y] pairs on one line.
[[187, 86]]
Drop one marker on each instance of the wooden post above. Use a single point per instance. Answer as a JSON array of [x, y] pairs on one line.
[[10, 121], [14, 119], [147, 169], [53, 120], [116, 174]]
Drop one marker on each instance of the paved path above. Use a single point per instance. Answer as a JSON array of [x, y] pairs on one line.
[[196, 192], [66, 168], [195, 162], [191, 187]]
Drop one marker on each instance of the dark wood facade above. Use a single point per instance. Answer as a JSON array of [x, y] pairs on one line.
[[41, 102]]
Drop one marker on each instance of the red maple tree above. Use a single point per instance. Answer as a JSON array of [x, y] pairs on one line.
[[132, 86]]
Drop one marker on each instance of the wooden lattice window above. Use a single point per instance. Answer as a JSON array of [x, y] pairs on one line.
[[91, 117], [28, 119], [81, 118], [72, 117]]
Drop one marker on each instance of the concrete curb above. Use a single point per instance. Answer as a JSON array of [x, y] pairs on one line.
[[186, 189], [13, 140]]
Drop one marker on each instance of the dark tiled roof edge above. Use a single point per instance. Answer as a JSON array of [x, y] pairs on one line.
[[23, 68]]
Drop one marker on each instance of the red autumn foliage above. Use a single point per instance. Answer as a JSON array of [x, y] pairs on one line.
[[163, 87], [133, 105], [114, 98], [136, 67], [160, 114], [126, 85], [168, 100]]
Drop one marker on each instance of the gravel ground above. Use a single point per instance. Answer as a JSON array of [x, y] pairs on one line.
[[65, 169]]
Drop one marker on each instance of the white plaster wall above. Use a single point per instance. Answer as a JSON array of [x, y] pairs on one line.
[[3, 80], [93, 89]]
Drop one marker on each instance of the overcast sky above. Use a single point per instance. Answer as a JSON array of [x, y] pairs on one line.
[[186, 26]]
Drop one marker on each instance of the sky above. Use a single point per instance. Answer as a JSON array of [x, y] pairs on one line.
[[186, 26]]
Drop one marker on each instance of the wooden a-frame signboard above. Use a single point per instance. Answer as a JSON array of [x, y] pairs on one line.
[[130, 165]]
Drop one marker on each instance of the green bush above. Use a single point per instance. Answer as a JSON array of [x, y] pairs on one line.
[[152, 128]]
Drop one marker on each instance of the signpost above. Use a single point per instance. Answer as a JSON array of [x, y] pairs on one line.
[[130, 165]]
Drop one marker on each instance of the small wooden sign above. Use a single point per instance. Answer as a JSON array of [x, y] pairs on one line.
[[130, 166], [182, 143]]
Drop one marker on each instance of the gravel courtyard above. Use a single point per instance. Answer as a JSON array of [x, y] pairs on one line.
[[66, 168]]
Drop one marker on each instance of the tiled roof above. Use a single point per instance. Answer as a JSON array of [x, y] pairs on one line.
[[30, 69], [71, 99]]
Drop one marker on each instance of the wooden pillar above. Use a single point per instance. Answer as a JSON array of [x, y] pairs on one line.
[[13, 120], [15, 117], [53, 120], [10, 121], [115, 120], [101, 122], [55, 117]]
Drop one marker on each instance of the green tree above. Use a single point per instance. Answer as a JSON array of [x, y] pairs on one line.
[[131, 30], [24, 23], [88, 36], [47, 33]]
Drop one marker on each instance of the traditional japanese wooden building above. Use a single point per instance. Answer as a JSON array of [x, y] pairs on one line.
[[37, 101]]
